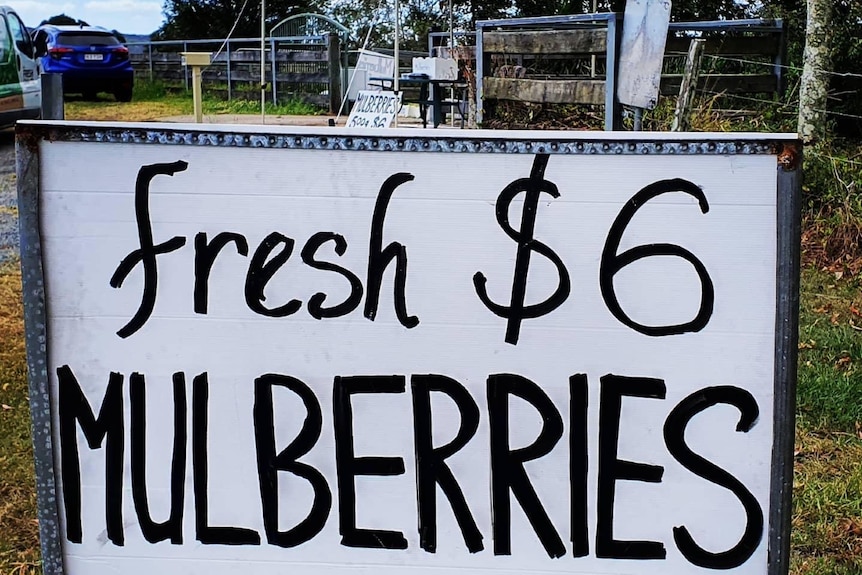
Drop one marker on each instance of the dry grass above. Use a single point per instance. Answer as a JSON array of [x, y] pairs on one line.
[[123, 112], [19, 543], [827, 518]]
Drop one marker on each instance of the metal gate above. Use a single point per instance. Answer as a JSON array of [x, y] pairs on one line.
[[305, 33]]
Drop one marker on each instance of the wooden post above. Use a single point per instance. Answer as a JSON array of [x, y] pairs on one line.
[[334, 46], [196, 94], [688, 86]]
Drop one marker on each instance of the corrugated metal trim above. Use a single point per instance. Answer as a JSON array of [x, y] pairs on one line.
[[420, 143], [36, 337]]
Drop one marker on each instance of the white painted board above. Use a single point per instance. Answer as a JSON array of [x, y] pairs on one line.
[[376, 64], [645, 26], [374, 109], [582, 375]]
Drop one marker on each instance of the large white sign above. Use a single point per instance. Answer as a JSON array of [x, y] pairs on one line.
[[276, 352]]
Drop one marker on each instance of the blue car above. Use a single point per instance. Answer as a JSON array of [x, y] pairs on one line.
[[91, 60]]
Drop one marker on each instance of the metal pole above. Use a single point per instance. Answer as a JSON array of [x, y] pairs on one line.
[[274, 70], [52, 97], [229, 79], [395, 84], [263, 61], [593, 57]]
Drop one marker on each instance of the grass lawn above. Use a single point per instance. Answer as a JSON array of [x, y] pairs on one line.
[[153, 101], [827, 519]]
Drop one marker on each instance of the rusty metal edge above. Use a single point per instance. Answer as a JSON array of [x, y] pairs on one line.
[[788, 233], [35, 321]]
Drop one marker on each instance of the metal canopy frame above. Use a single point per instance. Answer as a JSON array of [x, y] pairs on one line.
[[611, 20]]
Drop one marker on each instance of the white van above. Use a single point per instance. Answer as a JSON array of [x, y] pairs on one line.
[[20, 86]]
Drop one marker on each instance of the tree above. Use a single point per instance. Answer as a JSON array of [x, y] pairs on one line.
[[204, 19], [63, 20], [815, 74]]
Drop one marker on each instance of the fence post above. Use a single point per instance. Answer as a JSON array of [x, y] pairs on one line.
[[186, 68], [334, 46], [688, 86], [229, 80], [613, 109], [480, 72], [150, 59], [52, 97], [273, 70]]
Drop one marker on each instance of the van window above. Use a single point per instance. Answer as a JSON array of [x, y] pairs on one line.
[[4, 40], [19, 33]]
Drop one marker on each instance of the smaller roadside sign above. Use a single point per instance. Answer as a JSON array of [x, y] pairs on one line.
[[374, 109], [642, 52]]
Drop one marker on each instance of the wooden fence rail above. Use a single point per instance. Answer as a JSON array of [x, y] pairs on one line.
[[307, 68], [573, 59]]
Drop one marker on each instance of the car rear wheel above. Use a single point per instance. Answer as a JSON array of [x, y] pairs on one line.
[[123, 94]]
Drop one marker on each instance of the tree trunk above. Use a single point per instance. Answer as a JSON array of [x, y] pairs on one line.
[[815, 74]]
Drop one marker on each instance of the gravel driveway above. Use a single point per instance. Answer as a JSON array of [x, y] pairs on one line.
[[8, 218], [8, 199]]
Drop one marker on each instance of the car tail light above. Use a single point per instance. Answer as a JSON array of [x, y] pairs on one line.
[[57, 53], [121, 53]]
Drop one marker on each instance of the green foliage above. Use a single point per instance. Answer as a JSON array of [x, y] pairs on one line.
[[692, 10], [205, 19], [145, 90], [63, 20], [829, 390], [827, 504], [845, 106], [181, 98], [243, 106]]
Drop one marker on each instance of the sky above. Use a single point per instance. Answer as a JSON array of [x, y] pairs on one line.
[[127, 16]]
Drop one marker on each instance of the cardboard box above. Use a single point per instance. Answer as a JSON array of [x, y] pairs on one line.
[[436, 68]]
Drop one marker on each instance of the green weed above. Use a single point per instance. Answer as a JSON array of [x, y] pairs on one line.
[[826, 536], [243, 106], [829, 391]]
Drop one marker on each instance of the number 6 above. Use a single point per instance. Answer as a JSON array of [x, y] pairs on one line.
[[612, 262]]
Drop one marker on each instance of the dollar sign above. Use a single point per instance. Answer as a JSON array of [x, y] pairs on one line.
[[516, 311]]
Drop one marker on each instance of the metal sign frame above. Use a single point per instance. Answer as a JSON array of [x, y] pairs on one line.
[[785, 149]]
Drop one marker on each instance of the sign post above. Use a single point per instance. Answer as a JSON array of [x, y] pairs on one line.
[[332, 352], [197, 61]]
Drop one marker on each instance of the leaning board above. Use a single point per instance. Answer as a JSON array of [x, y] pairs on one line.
[[255, 349]]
